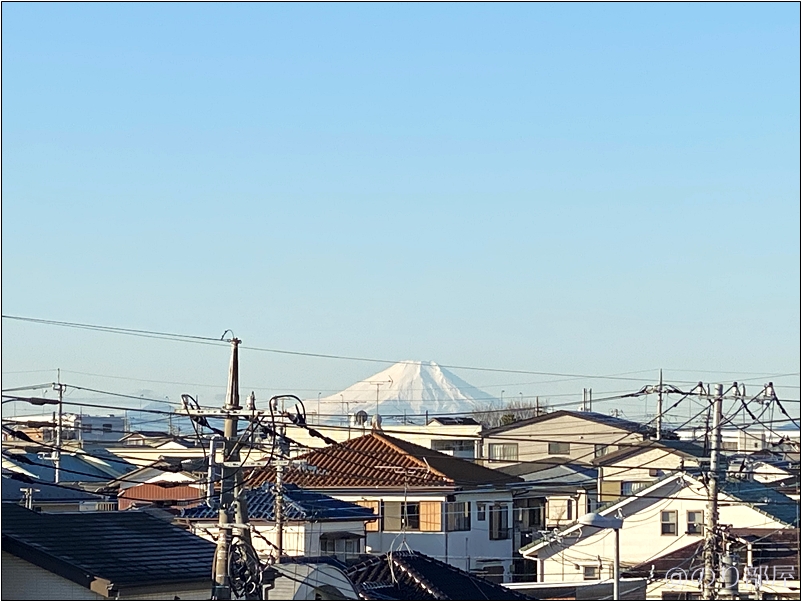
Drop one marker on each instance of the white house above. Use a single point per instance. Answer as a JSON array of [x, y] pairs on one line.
[[664, 517], [314, 524], [451, 509]]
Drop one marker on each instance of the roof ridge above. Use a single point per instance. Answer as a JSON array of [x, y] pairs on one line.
[[415, 576], [423, 464]]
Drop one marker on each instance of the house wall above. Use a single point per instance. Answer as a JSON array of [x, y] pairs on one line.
[[422, 435], [641, 538], [468, 550], [645, 467], [533, 439], [22, 580], [300, 539]]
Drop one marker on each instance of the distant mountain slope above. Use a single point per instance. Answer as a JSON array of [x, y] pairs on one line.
[[409, 388]]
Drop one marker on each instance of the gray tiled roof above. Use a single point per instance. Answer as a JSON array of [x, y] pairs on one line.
[[128, 549], [299, 504]]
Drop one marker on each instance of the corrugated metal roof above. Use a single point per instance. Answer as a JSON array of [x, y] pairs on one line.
[[299, 505]]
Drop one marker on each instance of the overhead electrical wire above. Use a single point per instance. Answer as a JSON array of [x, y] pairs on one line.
[[217, 341]]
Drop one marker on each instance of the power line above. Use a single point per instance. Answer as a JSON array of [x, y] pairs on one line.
[[217, 341]]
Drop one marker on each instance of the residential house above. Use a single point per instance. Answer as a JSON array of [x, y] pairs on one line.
[[577, 436], [636, 466], [314, 524], [776, 464], [555, 491], [669, 514], [99, 556], [766, 565], [451, 509], [43, 497], [74, 467], [733, 440], [456, 436], [81, 428], [154, 485]]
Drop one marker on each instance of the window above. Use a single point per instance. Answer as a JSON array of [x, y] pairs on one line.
[[529, 513], [458, 516], [654, 472], [410, 519], [461, 448], [499, 522], [341, 547], [86, 428], [557, 448], [569, 510], [668, 522], [590, 573], [503, 451], [600, 450], [480, 511], [695, 522], [632, 487], [107, 427], [399, 516]]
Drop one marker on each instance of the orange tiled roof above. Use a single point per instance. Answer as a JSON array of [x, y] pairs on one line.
[[378, 460]]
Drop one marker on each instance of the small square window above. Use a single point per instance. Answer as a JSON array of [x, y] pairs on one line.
[[507, 452], [558, 448], [668, 522], [600, 450], [590, 573], [695, 522]]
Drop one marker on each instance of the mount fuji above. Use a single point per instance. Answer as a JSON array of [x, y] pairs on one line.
[[408, 389]]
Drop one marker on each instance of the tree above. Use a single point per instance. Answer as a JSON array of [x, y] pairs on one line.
[[491, 416]]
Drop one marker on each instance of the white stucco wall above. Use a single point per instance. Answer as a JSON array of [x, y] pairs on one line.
[[467, 550], [641, 538]]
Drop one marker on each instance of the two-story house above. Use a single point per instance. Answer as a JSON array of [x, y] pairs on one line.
[[669, 514], [568, 435], [445, 507], [635, 466]]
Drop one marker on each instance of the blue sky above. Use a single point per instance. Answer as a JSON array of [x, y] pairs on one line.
[[578, 188]]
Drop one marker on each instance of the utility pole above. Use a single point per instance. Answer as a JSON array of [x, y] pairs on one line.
[[711, 523], [660, 407], [278, 508], [60, 388], [229, 481]]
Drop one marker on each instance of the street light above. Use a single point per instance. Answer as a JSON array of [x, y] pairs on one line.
[[594, 519]]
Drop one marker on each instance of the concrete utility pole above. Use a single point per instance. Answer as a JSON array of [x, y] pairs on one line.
[[711, 523], [278, 508], [229, 481], [660, 407], [60, 388]]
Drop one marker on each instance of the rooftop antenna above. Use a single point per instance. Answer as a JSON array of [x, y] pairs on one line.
[[378, 384]]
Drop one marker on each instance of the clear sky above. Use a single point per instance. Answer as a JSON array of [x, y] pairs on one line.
[[573, 188]]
